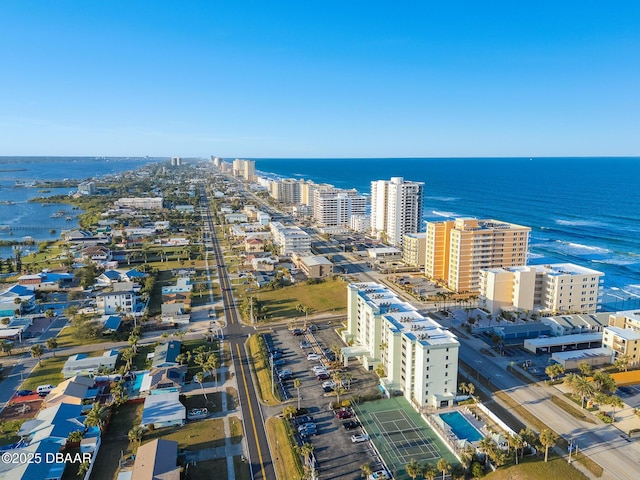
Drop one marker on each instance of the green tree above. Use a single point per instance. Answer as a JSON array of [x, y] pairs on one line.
[[554, 370], [622, 362], [199, 377], [444, 466], [75, 436], [366, 470], [413, 468], [96, 416], [289, 411], [36, 352], [83, 468], [547, 439], [585, 369], [580, 386], [297, 383], [430, 472], [6, 346], [135, 434], [52, 344]]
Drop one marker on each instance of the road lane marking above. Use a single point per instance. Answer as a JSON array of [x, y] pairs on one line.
[[253, 421]]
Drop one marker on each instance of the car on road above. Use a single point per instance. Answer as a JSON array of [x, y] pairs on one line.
[[24, 393], [363, 437], [314, 356], [350, 425]]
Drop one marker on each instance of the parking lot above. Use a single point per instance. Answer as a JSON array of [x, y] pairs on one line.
[[336, 455]]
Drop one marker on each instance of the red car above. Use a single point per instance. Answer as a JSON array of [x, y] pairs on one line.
[[342, 414], [323, 376]]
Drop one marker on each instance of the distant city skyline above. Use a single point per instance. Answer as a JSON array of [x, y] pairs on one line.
[[333, 79]]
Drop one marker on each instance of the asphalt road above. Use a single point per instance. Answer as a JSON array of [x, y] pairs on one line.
[[236, 333]]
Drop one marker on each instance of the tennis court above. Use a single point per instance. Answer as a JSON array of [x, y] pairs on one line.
[[400, 434]]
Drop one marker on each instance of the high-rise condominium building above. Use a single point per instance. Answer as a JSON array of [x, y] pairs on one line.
[[557, 288], [245, 169], [336, 206], [396, 209], [458, 249], [418, 355]]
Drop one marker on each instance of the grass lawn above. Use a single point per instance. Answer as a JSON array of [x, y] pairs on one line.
[[555, 468], [241, 469], [329, 296], [286, 461], [192, 436], [262, 371], [235, 426], [115, 441], [49, 373], [141, 362], [214, 403], [68, 338], [571, 410], [215, 469]]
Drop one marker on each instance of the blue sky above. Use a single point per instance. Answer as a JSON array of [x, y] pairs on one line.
[[319, 78]]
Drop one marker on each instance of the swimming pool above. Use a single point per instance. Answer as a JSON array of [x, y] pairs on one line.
[[461, 427]]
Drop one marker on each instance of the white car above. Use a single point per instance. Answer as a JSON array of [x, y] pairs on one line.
[[314, 356], [329, 384], [359, 438], [379, 475], [318, 369]]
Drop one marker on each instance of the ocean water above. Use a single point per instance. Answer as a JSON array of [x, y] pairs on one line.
[[20, 218], [581, 210]]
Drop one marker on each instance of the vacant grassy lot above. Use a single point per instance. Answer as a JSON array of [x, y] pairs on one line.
[[192, 436], [49, 373], [115, 441], [556, 468], [325, 297], [235, 426], [68, 337]]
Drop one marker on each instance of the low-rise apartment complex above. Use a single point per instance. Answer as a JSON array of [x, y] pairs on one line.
[[289, 238], [418, 355], [557, 288]]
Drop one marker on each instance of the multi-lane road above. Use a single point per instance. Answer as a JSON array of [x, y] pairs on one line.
[[236, 333]]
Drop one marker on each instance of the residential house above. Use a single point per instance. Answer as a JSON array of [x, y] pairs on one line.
[[53, 423], [33, 470], [164, 379], [165, 355], [122, 299], [253, 244], [157, 460], [183, 284], [175, 313], [96, 253], [81, 364], [111, 324], [16, 297], [76, 390], [163, 410]]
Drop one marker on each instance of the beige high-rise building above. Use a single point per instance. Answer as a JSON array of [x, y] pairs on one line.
[[458, 249], [245, 169], [414, 249]]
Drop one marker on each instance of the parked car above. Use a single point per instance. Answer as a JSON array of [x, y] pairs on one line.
[[306, 426], [329, 383], [323, 376], [303, 419], [308, 433], [24, 393], [280, 362], [327, 389], [344, 414], [350, 425], [359, 438], [314, 356], [320, 369], [276, 355], [197, 413], [284, 374], [296, 332], [379, 475], [44, 390], [312, 328], [305, 344]]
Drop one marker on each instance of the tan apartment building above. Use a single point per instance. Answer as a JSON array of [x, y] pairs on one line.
[[458, 249], [557, 288], [414, 249]]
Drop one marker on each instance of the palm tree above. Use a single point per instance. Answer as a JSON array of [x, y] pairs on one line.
[[517, 443], [135, 434], [128, 355], [297, 383], [75, 436], [444, 466], [306, 450], [581, 386], [554, 370], [96, 416], [547, 439], [52, 344], [366, 470], [133, 342], [289, 411], [585, 369], [213, 363], [36, 352], [622, 362], [199, 377], [83, 468], [430, 472], [413, 468]]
